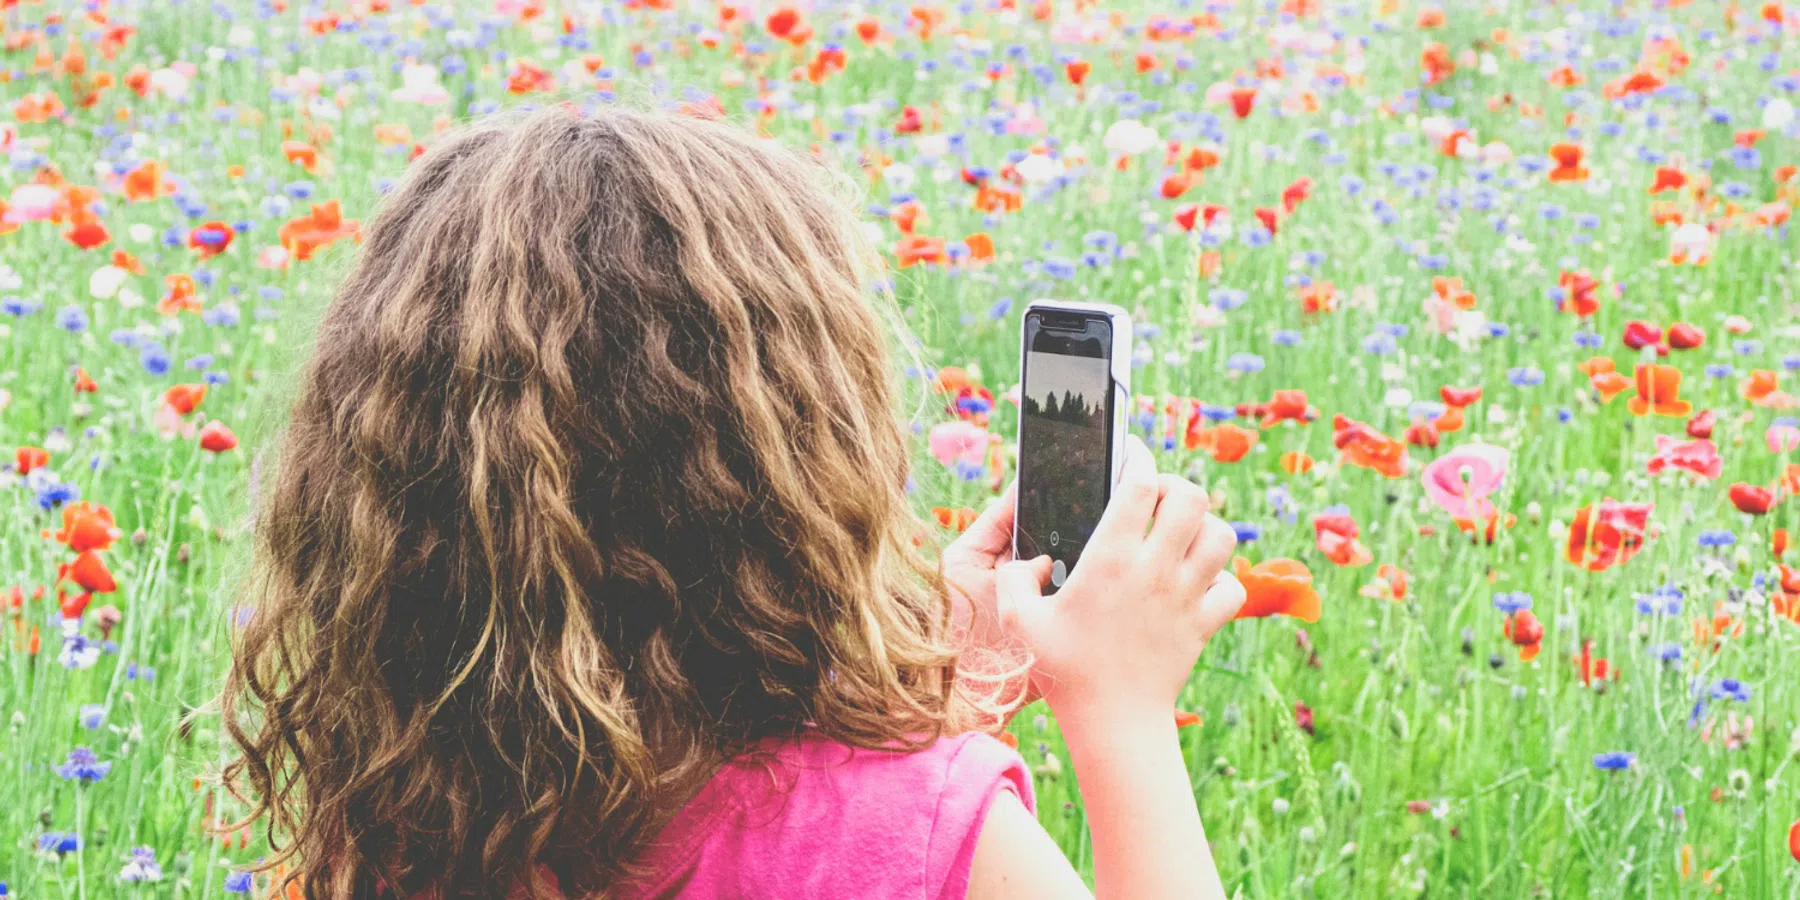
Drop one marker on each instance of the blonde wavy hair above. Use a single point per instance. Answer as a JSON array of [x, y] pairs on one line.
[[593, 481]]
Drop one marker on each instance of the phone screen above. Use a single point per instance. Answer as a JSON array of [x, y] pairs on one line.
[[1065, 435]]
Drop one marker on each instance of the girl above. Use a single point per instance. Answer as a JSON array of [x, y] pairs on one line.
[[589, 571]]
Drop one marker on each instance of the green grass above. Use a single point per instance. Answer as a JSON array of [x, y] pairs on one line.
[[1421, 700]]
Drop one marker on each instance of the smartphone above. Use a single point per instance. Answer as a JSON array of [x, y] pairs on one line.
[[1075, 370]]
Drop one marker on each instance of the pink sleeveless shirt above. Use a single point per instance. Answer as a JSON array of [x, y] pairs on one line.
[[814, 818]]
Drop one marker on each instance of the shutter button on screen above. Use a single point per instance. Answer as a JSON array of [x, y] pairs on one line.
[[1059, 573]]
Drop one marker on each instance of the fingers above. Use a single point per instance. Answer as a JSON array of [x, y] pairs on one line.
[[1135, 497], [1220, 604], [1212, 547], [1180, 513], [991, 533]]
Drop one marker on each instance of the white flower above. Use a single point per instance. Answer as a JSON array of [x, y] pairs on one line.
[[1129, 137], [899, 176], [1436, 127], [932, 145], [78, 653], [9, 279], [240, 36], [1496, 153], [141, 233], [169, 83], [130, 299], [32, 203], [419, 84], [1778, 114], [1037, 168], [1692, 242], [106, 281]]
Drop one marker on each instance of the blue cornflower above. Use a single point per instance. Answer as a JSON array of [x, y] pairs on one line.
[[72, 319], [59, 842], [238, 883], [1213, 412], [1282, 503], [1244, 363], [1000, 308], [91, 715], [1246, 532], [1747, 348], [1718, 370], [1717, 537], [1668, 651], [224, 315], [1525, 376], [19, 307], [142, 866], [1227, 298], [1511, 602], [201, 361], [153, 358], [1616, 760], [1380, 344], [1589, 339], [1731, 689], [83, 766], [1286, 338]]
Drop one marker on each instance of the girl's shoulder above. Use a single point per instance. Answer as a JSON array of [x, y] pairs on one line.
[[815, 818]]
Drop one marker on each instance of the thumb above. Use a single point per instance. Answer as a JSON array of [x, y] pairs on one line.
[[1019, 590]]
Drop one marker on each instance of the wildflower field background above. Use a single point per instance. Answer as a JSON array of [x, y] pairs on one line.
[[1480, 318]]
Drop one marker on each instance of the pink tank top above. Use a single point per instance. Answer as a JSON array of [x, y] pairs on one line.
[[815, 818]]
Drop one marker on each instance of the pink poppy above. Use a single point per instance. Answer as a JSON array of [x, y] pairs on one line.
[[959, 442], [1782, 438], [1698, 456], [1460, 481]]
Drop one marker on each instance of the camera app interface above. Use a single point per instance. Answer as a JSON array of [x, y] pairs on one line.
[[1064, 433]]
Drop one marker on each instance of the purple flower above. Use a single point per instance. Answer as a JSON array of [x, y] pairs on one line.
[[83, 766], [1615, 761]]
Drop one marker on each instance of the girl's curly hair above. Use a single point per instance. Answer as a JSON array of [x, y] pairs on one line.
[[593, 481]]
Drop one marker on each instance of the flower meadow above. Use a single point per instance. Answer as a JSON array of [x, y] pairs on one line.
[[1478, 320]]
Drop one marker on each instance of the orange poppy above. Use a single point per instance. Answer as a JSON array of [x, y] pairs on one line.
[[1762, 388], [1225, 443], [86, 526], [29, 458], [1450, 422], [1579, 289], [957, 519], [1568, 159], [302, 154], [1525, 632], [981, 246], [1276, 587], [1295, 462], [1336, 536], [182, 296], [320, 228], [1658, 391], [1287, 406], [1594, 668], [145, 182], [1609, 384], [84, 384], [184, 398]]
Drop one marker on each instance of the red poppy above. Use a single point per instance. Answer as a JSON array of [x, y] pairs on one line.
[[1701, 425], [1699, 456], [527, 76], [183, 398], [1752, 499], [1335, 534], [83, 383], [1175, 185], [1594, 668], [215, 437], [1077, 71], [88, 571], [73, 607], [1269, 219], [1185, 719], [1683, 336], [1525, 632], [1578, 288], [1794, 840], [1640, 334], [88, 234], [1668, 178], [1422, 434], [28, 458], [1287, 406], [1435, 63], [1459, 398], [145, 182], [211, 239], [914, 249], [1658, 391], [1608, 534], [1243, 99], [1361, 445], [1295, 194]]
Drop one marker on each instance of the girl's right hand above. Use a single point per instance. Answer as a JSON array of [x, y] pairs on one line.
[[1120, 638]]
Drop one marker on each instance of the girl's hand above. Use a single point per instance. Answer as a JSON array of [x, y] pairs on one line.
[[1120, 639], [970, 563]]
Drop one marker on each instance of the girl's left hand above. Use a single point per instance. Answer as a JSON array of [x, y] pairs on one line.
[[969, 563]]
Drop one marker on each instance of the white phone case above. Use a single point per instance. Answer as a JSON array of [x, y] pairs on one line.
[[1120, 364]]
